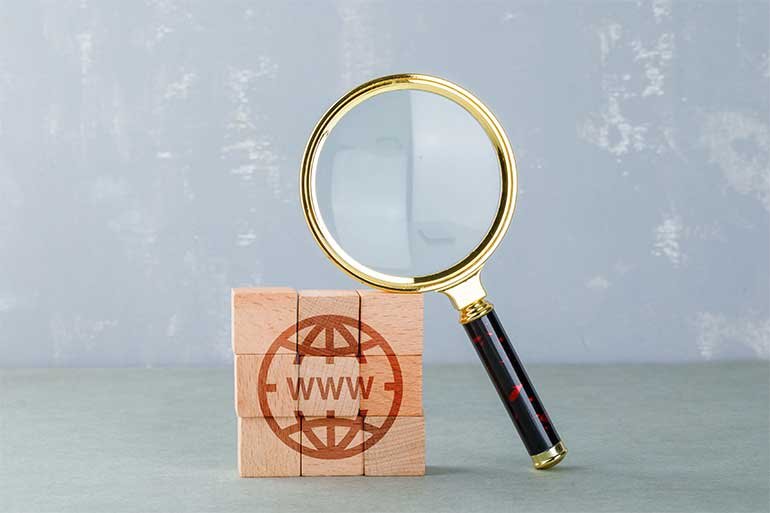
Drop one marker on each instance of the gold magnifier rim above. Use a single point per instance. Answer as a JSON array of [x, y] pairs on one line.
[[469, 266]]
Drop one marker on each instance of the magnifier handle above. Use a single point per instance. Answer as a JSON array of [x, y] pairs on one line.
[[516, 391]]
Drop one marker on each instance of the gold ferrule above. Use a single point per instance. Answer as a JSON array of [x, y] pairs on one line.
[[549, 458], [475, 310]]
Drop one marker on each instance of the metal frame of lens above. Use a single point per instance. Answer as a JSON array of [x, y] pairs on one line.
[[460, 281]]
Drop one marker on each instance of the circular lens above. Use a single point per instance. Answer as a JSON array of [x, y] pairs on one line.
[[407, 183]]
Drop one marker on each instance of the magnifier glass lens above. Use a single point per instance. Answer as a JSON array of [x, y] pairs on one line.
[[408, 183]]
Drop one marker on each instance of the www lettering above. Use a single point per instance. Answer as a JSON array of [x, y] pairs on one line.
[[330, 387]]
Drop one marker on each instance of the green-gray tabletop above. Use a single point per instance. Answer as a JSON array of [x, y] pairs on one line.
[[641, 438]]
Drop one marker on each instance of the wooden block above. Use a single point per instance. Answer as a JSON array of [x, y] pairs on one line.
[[400, 452], [281, 373], [379, 379], [398, 318], [260, 316], [261, 453], [329, 438], [328, 322], [328, 386]]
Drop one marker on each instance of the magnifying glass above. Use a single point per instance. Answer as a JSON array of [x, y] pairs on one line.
[[408, 184]]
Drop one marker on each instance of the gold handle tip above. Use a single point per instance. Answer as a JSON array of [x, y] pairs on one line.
[[549, 458]]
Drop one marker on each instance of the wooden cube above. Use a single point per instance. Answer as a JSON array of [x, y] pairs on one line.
[[279, 384], [330, 437], [398, 318], [378, 378], [328, 386], [328, 322], [314, 392], [400, 452], [264, 320], [261, 453]]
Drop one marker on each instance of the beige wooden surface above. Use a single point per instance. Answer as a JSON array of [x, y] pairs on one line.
[[401, 452], [327, 302], [282, 367], [397, 317], [350, 466], [380, 369], [262, 454], [260, 315], [326, 386]]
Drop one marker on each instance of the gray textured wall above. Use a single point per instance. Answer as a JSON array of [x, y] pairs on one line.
[[149, 161]]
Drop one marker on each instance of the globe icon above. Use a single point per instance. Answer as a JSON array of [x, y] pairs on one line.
[[330, 437]]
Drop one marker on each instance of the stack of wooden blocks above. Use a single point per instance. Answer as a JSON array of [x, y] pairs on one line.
[[328, 382]]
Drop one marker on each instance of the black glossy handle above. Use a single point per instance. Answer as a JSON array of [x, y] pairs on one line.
[[512, 383]]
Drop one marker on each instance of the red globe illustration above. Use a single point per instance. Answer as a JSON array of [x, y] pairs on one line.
[[330, 437]]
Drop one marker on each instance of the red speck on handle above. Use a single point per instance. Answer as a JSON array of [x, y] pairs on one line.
[[515, 391]]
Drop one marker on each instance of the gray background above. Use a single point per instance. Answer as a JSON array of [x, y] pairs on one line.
[[149, 161]]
